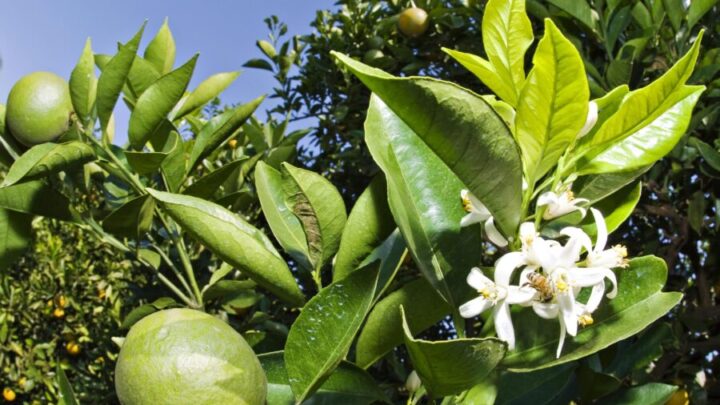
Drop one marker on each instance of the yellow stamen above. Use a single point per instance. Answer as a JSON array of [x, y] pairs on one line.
[[561, 285], [570, 195], [467, 204], [585, 320]]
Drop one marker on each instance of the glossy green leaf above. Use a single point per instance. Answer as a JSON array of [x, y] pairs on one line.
[[553, 103], [616, 208], [598, 186], [157, 101], [347, 385], [48, 158], [486, 73], [148, 162], [284, 224], [321, 336], [234, 241], [220, 128], [38, 198], [639, 302], [481, 151], [507, 34], [697, 9], [141, 76], [112, 78], [15, 236], [319, 207], [83, 84], [369, 224], [540, 387], [205, 92], [648, 123], [211, 183], [132, 219], [66, 395], [173, 167], [388, 257], [383, 329], [424, 198], [161, 49], [647, 394], [578, 9], [450, 367]]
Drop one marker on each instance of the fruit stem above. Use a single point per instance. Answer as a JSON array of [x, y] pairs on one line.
[[172, 265]]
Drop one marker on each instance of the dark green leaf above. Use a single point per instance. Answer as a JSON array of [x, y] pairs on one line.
[[83, 84], [675, 12], [156, 103], [347, 385], [221, 128], [48, 158], [370, 222], [538, 387], [648, 394], [578, 9], [211, 183], [133, 219], [711, 156], [15, 236], [697, 9], [284, 224], [319, 207], [112, 78], [481, 151], [452, 366], [145, 163], [321, 336], [234, 241], [259, 64], [37, 198]]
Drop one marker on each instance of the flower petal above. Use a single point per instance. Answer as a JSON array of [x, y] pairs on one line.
[[504, 326], [475, 307], [595, 297], [547, 198], [471, 218], [506, 265], [566, 302], [494, 234], [587, 277], [590, 120], [602, 233], [477, 280], [546, 310], [561, 342], [520, 295]]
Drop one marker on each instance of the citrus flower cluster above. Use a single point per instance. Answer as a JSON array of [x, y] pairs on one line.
[[551, 274]]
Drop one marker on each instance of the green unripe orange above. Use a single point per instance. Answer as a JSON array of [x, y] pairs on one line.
[[413, 22], [183, 356], [372, 56], [38, 108], [376, 42]]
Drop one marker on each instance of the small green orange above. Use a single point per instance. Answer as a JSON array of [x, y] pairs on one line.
[[183, 356], [373, 56], [413, 22], [39, 108]]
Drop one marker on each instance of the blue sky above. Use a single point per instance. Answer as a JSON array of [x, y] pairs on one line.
[[49, 35]]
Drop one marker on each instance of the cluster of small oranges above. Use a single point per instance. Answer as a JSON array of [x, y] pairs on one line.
[[59, 303]]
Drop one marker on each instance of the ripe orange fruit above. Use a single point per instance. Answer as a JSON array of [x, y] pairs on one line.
[[679, 397], [59, 313], [413, 22], [232, 143], [9, 395], [73, 348], [183, 356], [38, 108]]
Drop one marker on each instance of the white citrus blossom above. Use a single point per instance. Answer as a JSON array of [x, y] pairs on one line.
[[560, 204], [477, 213], [591, 119], [498, 294]]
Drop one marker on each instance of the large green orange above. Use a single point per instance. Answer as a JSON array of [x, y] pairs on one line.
[[413, 22], [39, 108], [183, 356]]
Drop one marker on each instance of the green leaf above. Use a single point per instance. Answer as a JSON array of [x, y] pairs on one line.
[[112, 78], [259, 64], [647, 394], [553, 104], [141, 76], [507, 34], [538, 387], [38, 198], [383, 329], [161, 49], [267, 48], [641, 352], [598, 186], [639, 302], [48, 158], [83, 84], [174, 166], [284, 224], [221, 128], [156, 103], [675, 12], [208, 185], [697, 9], [711, 156], [234, 241], [388, 257], [204, 92], [696, 211], [145, 163], [347, 385], [616, 208], [452, 366], [481, 151], [144, 310], [319, 207], [486, 73], [578, 9], [15, 236], [321, 336], [648, 123], [66, 395], [132, 219], [424, 198], [369, 224]]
